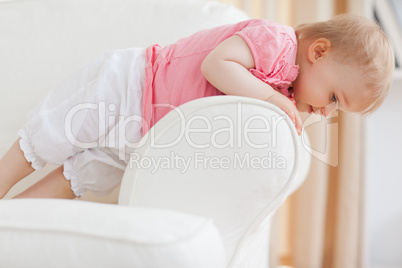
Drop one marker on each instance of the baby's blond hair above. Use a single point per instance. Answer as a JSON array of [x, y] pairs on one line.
[[360, 42]]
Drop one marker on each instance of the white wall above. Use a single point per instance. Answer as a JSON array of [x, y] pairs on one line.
[[383, 182]]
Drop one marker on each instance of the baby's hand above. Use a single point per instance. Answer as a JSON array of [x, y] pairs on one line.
[[288, 107]]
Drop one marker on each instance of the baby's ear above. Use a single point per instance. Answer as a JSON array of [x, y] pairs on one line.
[[319, 49]]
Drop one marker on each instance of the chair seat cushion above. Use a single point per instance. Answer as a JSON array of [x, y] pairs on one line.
[[65, 233]]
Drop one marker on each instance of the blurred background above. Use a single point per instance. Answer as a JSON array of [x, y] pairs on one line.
[[348, 213]]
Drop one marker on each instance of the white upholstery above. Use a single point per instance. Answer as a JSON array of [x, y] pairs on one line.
[[214, 213], [63, 233]]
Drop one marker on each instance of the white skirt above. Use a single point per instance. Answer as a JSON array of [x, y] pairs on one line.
[[90, 123]]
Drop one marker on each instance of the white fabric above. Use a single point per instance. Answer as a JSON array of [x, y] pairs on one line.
[[46, 233], [90, 123], [230, 158]]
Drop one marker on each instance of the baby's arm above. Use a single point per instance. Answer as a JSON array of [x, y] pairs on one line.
[[226, 68]]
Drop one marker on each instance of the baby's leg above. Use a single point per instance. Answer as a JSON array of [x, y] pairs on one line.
[[53, 185], [13, 168], [79, 118]]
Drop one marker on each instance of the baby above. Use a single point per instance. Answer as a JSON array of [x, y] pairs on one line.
[[345, 63]]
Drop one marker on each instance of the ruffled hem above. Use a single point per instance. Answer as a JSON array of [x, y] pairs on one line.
[[72, 175], [28, 150]]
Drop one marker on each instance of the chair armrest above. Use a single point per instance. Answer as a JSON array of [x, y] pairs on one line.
[[232, 159]]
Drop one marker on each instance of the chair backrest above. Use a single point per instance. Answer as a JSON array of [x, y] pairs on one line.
[[44, 41], [232, 159]]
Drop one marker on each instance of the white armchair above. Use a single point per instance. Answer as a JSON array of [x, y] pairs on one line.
[[203, 186]]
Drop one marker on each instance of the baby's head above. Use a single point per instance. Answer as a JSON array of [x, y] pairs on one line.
[[345, 63]]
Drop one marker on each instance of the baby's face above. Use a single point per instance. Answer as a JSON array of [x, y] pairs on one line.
[[328, 85]]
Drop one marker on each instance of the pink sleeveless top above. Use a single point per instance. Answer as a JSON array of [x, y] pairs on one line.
[[173, 73]]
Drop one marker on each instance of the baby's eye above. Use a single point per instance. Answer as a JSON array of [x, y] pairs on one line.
[[334, 98]]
